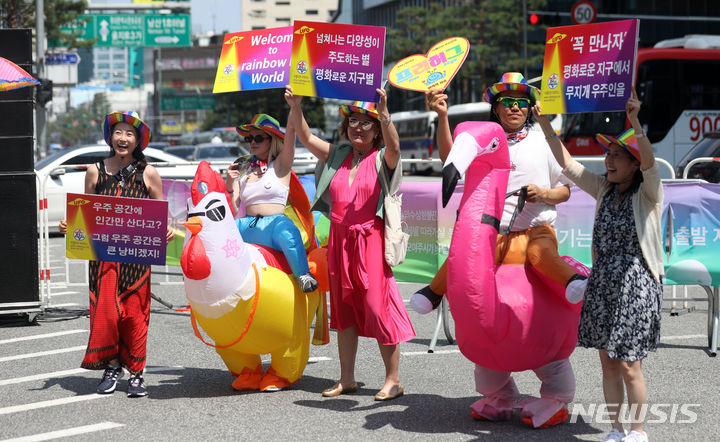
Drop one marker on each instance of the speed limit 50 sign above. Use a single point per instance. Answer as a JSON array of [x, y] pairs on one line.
[[583, 12]]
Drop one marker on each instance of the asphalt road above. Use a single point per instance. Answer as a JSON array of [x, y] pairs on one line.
[[44, 395]]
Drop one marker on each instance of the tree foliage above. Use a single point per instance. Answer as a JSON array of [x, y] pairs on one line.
[[58, 13], [81, 125], [494, 29]]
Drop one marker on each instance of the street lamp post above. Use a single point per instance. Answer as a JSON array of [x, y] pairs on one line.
[[525, 52]]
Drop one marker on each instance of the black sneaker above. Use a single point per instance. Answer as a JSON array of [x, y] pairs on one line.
[[109, 381], [136, 386], [307, 283]]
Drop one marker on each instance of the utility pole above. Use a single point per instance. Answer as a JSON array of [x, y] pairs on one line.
[[524, 22], [40, 112]]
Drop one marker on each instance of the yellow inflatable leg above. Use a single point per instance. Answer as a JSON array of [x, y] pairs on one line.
[[288, 364]]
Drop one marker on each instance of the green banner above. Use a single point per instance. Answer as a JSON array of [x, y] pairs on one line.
[[132, 30], [192, 102]]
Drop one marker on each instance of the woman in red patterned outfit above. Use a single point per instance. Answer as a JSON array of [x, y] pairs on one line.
[[120, 292]]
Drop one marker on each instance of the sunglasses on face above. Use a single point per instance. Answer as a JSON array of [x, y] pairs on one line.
[[521, 103], [364, 124], [256, 138]]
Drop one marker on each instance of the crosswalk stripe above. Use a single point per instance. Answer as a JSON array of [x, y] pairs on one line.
[[54, 374], [43, 353], [51, 403], [68, 432], [43, 336]]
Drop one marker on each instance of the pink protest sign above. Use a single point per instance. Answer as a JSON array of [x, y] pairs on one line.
[[334, 60], [254, 60], [589, 68], [116, 229]]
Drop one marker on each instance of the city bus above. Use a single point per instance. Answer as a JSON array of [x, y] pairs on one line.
[[416, 130], [679, 86]]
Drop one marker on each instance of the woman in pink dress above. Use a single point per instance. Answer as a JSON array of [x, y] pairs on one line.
[[364, 298]]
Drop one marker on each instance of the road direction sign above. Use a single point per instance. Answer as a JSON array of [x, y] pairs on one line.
[[132, 30], [64, 58]]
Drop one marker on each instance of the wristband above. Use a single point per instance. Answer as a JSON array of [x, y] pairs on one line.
[[639, 135], [385, 121]]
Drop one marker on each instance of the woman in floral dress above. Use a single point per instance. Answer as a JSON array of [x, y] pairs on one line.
[[621, 313]]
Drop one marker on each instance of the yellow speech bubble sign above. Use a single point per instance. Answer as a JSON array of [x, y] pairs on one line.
[[434, 69]]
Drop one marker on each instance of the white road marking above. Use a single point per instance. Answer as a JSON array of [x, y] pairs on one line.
[[163, 368], [54, 374], [63, 373], [51, 403], [43, 353], [68, 432], [43, 336], [437, 352], [67, 304], [54, 294], [671, 338]]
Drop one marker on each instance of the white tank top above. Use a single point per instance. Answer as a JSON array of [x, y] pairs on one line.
[[267, 190]]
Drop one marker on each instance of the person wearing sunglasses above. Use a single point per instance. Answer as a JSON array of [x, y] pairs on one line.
[[260, 183], [364, 297], [534, 169]]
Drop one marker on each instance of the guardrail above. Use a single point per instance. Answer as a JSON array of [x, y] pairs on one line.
[[698, 161]]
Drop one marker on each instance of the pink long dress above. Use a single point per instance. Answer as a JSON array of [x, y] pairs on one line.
[[363, 291]]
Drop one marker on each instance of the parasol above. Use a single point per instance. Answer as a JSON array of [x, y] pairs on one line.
[[13, 76]]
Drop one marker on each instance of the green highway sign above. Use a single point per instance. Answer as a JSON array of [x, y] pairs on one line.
[[132, 30], [190, 102]]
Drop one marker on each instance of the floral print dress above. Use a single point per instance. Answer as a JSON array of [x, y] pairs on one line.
[[621, 311]]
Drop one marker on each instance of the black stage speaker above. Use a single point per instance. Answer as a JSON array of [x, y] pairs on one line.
[[19, 279], [19, 285]]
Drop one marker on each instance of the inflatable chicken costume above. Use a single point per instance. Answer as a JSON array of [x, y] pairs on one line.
[[241, 296]]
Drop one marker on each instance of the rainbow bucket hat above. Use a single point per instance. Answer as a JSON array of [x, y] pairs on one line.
[[361, 107], [511, 81], [133, 119], [626, 139], [263, 122]]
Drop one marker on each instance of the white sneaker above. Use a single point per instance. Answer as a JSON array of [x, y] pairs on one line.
[[636, 436], [615, 435], [575, 290]]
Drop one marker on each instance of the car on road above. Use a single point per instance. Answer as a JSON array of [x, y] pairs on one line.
[[304, 161], [59, 179], [182, 150], [218, 153], [708, 146]]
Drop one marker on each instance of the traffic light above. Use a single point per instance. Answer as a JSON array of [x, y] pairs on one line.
[[45, 92], [544, 19]]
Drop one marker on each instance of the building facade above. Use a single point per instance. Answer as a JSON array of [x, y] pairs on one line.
[[263, 14]]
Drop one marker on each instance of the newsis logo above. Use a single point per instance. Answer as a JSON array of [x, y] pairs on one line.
[[649, 414]]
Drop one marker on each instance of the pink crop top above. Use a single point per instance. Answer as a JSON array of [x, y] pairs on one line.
[[268, 190]]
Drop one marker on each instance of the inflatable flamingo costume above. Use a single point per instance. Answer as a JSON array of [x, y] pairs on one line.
[[507, 317]]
